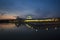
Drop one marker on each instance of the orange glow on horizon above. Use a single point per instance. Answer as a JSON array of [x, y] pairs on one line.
[[7, 17]]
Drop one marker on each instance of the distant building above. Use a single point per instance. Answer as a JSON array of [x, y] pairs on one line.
[[29, 17]]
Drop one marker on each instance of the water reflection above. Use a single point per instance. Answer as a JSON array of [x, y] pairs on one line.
[[28, 25], [7, 26], [43, 26], [14, 27]]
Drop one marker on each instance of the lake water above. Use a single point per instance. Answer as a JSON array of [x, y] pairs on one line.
[[23, 31], [12, 27]]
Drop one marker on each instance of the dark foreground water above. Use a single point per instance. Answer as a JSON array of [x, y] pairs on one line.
[[11, 31]]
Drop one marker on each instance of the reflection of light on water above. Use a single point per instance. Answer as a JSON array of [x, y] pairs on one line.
[[28, 26], [7, 26], [46, 28], [55, 28]]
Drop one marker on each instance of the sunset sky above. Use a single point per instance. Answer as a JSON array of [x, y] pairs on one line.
[[37, 8]]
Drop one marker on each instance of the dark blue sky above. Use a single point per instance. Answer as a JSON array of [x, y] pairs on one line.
[[38, 8]]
